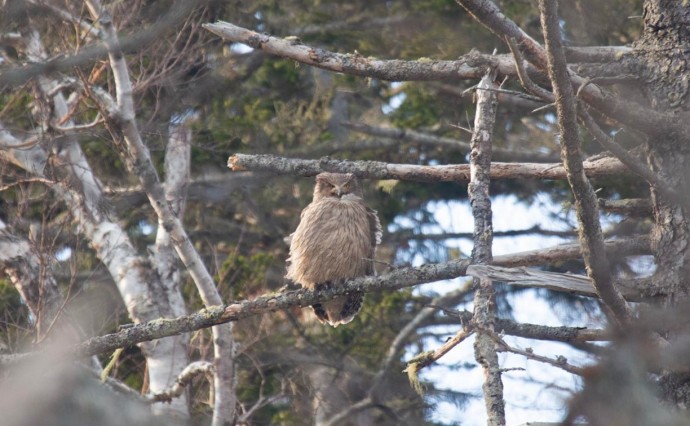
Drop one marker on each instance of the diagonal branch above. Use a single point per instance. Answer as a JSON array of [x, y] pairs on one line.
[[604, 140], [636, 116], [596, 261], [399, 278]]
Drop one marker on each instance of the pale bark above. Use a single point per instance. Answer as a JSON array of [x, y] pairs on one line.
[[599, 167], [139, 162], [33, 279], [82, 193]]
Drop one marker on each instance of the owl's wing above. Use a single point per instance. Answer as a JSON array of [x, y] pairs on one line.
[[375, 233]]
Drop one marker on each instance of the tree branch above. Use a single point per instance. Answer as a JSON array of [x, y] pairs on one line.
[[596, 261], [399, 278], [484, 296], [567, 283], [634, 115], [559, 362], [600, 167], [138, 159], [448, 144], [183, 380]]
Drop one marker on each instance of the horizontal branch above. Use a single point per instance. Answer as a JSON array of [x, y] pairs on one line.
[[538, 332], [447, 143], [534, 230], [399, 278], [470, 66], [606, 166], [629, 206]]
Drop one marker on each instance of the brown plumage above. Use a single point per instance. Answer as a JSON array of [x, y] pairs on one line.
[[335, 240]]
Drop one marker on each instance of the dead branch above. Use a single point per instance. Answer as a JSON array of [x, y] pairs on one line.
[[448, 144], [600, 167], [636, 116], [484, 295], [598, 267]]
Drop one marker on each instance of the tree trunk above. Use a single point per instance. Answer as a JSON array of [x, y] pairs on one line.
[[662, 65]]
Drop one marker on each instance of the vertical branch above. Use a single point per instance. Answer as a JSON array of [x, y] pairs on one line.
[[177, 171], [138, 160], [484, 298], [593, 249]]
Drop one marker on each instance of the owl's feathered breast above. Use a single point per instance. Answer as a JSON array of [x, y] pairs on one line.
[[334, 240]]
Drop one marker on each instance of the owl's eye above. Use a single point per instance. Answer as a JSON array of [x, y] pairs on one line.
[[347, 186]]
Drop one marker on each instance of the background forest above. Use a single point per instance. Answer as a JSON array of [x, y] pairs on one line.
[[113, 128]]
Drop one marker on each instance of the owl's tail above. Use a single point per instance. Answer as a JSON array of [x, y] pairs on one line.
[[340, 310]]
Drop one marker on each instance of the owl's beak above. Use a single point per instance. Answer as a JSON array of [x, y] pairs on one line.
[[338, 191]]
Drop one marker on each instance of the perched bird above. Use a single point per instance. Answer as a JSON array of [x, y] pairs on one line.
[[335, 240]]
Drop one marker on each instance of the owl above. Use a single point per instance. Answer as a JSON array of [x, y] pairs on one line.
[[335, 240]]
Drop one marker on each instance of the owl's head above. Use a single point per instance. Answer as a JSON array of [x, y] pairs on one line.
[[338, 185]]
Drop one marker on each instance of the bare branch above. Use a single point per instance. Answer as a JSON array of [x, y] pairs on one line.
[[596, 261], [537, 331], [635, 115], [139, 162], [633, 206], [32, 278], [427, 358], [472, 65], [600, 167], [628, 159], [19, 75], [448, 144], [534, 230], [484, 296], [399, 278], [575, 284], [183, 380], [559, 362]]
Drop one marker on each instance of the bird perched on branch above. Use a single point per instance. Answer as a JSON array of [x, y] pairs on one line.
[[335, 240]]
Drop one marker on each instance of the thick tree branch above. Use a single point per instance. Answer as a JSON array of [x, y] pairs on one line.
[[596, 261], [122, 121], [408, 234], [470, 66], [600, 167], [399, 278], [630, 206]]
